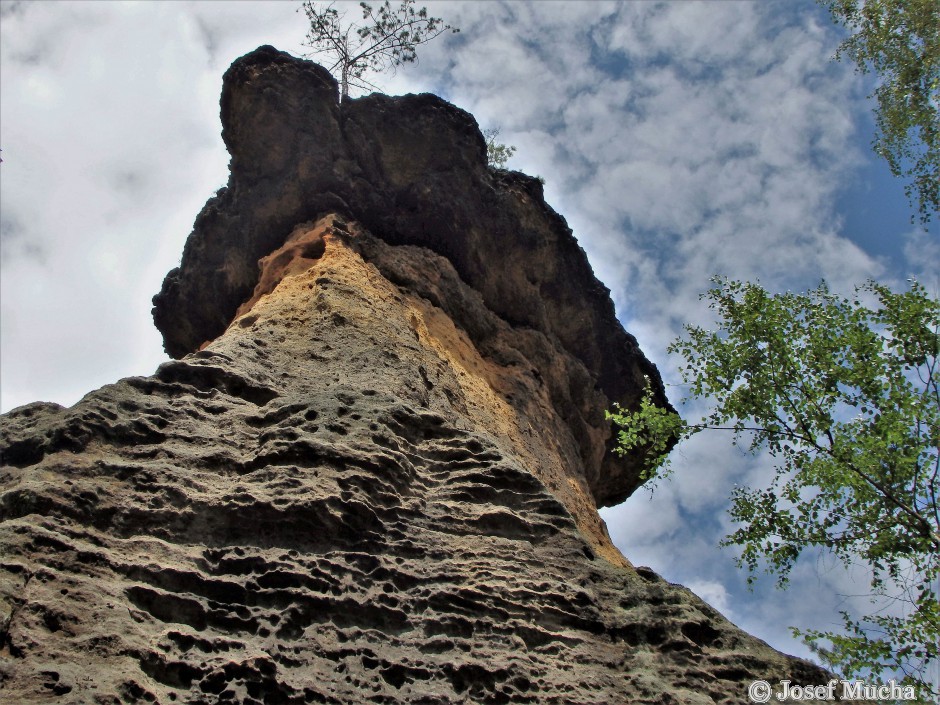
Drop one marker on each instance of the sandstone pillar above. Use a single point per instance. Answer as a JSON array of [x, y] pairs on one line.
[[372, 474]]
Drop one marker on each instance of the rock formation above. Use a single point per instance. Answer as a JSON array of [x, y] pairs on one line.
[[371, 475]]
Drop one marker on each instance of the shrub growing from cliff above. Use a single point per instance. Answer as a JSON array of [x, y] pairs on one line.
[[846, 398]]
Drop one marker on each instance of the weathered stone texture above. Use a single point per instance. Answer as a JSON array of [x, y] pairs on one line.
[[413, 171], [372, 477]]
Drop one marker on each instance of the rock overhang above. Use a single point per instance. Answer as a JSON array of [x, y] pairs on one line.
[[412, 170]]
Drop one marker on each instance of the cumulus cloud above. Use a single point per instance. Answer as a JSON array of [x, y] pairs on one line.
[[111, 144], [714, 593], [680, 139]]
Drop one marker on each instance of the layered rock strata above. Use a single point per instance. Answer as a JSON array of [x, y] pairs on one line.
[[413, 171], [372, 476]]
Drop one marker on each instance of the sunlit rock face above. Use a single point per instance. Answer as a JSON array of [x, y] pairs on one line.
[[372, 474]]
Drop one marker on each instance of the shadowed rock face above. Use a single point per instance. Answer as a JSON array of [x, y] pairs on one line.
[[412, 170], [372, 477]]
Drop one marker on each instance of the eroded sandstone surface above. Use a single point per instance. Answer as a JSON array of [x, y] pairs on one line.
[[372, 474]]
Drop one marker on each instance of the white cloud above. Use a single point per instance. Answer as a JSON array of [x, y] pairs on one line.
[[111, 145], [710, 138], [715, 594]]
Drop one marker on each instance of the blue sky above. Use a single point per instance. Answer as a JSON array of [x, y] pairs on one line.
[[679, 139]]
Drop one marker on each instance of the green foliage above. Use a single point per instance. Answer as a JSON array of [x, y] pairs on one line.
[[497, 154], [650, 429], [386, 39], [845, 398], [900, 41]]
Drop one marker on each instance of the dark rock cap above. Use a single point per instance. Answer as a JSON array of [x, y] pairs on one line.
[[413, 170]]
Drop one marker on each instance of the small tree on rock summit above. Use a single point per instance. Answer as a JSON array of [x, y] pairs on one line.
[[386, 39], [497, 153]]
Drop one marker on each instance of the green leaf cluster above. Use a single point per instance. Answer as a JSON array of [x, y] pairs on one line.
[[386, 39], [843, 394], [900, 41], [650, 430]]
